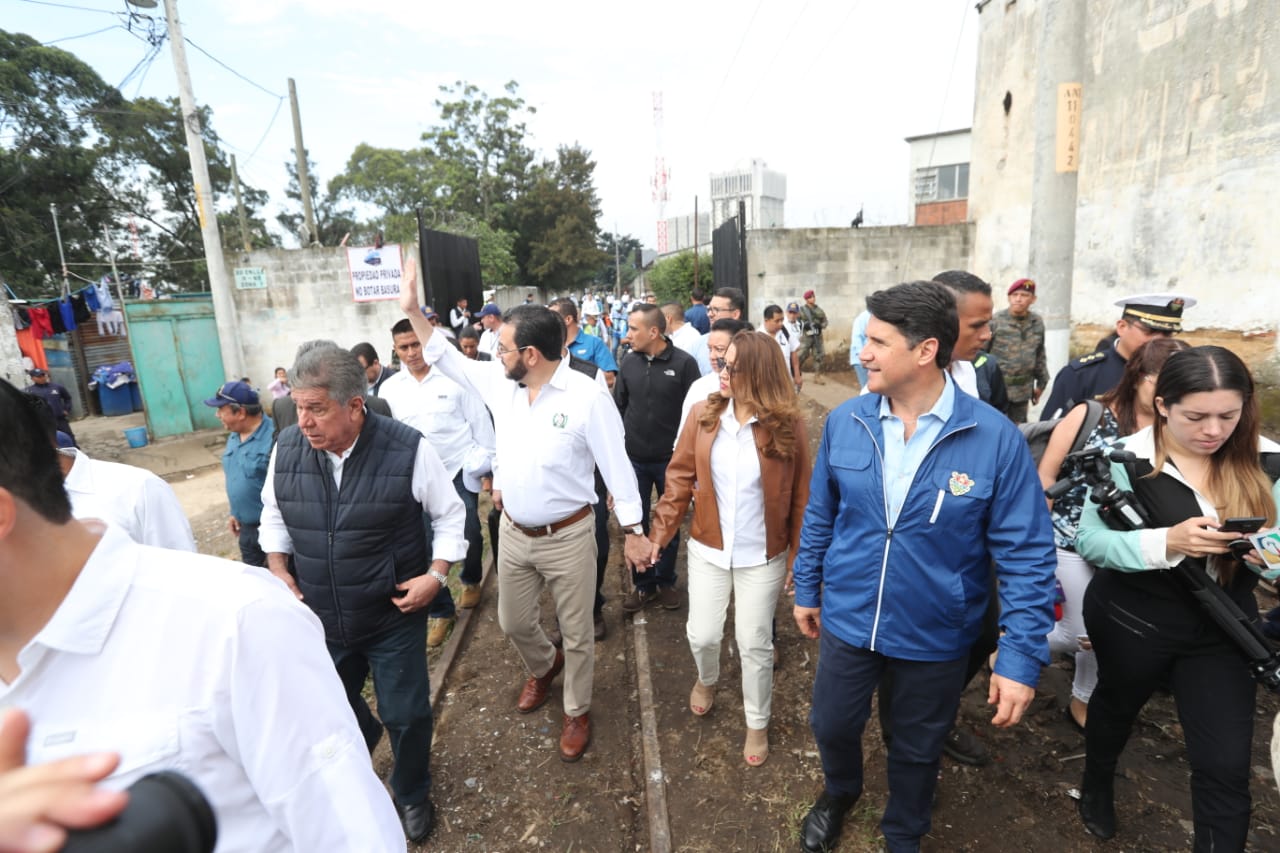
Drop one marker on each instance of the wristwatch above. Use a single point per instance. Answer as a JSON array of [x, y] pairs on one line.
[[635, 530], [443, 579]]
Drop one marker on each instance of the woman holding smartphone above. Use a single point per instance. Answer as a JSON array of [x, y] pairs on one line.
[[744, 455], [1126, 409], [1197, 465]]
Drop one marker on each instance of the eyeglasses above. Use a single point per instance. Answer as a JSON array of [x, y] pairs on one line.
[[722, 365], [713, 310], [502, 352]]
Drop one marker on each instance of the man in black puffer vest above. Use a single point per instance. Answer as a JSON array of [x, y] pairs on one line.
[[344, 495]]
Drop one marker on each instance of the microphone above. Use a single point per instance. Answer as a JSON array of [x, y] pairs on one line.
[[166, 813]]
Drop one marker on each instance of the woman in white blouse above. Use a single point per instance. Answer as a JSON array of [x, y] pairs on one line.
[[744, 455]]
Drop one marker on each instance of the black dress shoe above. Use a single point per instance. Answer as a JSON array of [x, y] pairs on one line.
[[1098, 812], [822, 824], [418, 820]]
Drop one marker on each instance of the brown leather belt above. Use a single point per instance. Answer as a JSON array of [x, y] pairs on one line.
[[548, 529]]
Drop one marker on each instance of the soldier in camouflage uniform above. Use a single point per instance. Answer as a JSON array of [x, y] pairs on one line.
[[812, 321], [1017, 342]]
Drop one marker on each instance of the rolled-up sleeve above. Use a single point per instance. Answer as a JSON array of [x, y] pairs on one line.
[[433, 488], [273, 536], [289, 724]]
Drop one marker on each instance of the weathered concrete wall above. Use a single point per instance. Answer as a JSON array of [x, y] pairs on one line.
[[1003, 143], [1178, 172], [844, 265], [308, 296]]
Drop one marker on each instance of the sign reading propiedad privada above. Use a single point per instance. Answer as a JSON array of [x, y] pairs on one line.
[[375, 272]]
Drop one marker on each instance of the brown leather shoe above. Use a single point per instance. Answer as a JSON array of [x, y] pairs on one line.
[[534, 694], [575, 737]]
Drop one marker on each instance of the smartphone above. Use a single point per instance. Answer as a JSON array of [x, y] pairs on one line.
[[1242, 525]]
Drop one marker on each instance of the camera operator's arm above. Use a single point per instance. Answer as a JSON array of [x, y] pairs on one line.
[[39, 803], [1060, 441]]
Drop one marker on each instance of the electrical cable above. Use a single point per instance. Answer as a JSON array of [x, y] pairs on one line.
[[729, 68], [232, 70], [68, 6], [81, 36]]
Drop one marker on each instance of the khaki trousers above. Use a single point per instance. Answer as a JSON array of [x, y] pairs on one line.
[[566, 562]]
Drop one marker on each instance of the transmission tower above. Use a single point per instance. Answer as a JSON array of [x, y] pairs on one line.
[[660, 175]]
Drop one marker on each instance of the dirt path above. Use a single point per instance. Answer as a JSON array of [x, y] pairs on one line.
[[499, 784]]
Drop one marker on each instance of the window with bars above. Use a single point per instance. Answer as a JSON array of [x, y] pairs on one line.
[[942, 183]]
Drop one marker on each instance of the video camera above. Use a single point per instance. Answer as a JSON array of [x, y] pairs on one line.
[[1121, 510]]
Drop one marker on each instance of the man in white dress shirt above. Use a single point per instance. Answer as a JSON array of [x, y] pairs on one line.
[[554, 425], [682, 334], [490, 318], [459, 429], [132, 499], [345, 494], [174, 661]]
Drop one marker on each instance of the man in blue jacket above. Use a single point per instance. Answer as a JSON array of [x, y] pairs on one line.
[[916, 490]]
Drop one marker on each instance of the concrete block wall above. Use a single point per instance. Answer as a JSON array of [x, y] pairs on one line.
[[308, 296], [844, 265]]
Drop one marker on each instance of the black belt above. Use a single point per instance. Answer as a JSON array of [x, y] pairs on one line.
[[548, 529]]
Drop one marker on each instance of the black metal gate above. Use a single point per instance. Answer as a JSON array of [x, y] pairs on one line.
[[729, 253]]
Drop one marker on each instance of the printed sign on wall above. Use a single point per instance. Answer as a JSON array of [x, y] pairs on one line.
[[1068, 147], [375, 273]]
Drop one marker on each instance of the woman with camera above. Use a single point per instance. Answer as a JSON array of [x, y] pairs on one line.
[[744, 454], [1196, 466], [1126, 409]]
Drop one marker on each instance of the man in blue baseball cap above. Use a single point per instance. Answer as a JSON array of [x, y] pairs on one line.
[[244, 463], [490, 317]]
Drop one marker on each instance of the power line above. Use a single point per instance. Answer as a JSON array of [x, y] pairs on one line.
[[81, 36], [232, 70], [729, 68], [68, 6]]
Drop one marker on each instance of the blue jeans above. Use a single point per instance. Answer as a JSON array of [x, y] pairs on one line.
[[924, 696], [651, 475], [442, 606], [250, 552], [398, 661]]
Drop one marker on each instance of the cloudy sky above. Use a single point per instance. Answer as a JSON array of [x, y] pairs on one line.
[[822, 90]]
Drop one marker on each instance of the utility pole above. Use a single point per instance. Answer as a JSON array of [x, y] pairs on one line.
[[115, 275], [224, 309], [695, 242], [240, 214], [304, 177]]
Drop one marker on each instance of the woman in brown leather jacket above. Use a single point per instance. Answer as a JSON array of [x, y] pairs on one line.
[[744, 455]]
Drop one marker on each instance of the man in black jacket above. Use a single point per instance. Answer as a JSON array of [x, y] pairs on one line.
[[652, 382], [344, 494]]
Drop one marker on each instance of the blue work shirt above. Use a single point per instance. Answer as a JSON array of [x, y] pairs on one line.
[[903, 458], [594, 350], [697, 317], [244, 465]]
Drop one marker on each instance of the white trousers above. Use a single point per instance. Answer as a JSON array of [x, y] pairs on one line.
[[755, 590], [1074, 574]]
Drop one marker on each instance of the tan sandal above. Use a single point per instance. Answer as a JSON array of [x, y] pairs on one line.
[[701, 698], [756, 748]]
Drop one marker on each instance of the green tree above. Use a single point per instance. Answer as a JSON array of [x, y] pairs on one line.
[[333, 220], [51, 151], [556, 223], [151, 182], [671, 279], [394, 184], [480, 152], [625, 255]]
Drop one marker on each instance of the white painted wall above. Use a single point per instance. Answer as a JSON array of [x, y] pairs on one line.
[[308, 296]]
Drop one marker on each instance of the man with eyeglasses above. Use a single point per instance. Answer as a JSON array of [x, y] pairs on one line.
[[1144, 317], [727, 303], [554, 425]]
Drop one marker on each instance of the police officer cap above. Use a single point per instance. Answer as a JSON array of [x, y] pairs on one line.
[[1159, 311]]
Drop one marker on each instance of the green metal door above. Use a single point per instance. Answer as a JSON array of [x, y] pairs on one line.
[[178, 362]]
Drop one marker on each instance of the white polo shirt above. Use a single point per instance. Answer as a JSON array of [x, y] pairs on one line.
[[213, 669], [739, 496], [133, 499], [547, 450], [453, 421]]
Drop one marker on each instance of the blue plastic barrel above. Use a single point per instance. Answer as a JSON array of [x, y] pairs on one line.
[[115, 401], [135, 396]]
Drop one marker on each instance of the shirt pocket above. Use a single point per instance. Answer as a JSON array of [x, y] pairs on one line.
[[851, 469], [959, 498], [146, 743]]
